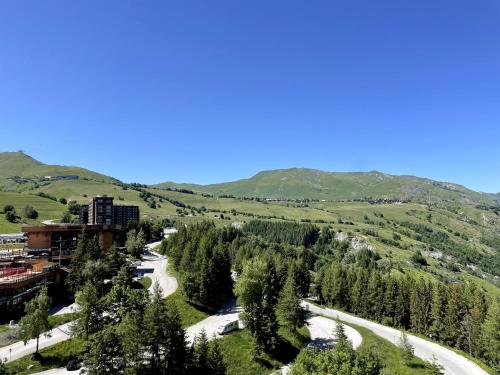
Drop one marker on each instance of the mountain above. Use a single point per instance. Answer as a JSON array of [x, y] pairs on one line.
[[18, 164], [298, 183], [465, 232]]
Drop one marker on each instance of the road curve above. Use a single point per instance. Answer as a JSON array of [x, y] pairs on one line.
[[155, 265], [453, 363], [322, 331], [229, 311]]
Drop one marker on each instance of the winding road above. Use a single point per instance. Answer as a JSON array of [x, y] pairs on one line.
[[154, 265], [321, 328], [453, 363]]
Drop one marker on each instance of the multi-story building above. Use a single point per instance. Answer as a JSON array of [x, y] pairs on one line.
[[122, 215], [101, 210]]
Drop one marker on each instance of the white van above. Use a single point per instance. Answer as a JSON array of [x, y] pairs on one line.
[[228, 326]]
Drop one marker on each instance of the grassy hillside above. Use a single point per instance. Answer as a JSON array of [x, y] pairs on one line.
[[47, 209], [298, 183], [459, 239], [19, 171]]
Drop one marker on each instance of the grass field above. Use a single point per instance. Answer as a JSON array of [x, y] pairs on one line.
[[238, 354], [53, 357], [392, 357], [145, 282], [190, 314], [375, 224]]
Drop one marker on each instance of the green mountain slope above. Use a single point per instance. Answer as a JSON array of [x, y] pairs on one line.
[[298, 183], [458, 237], [19, 171]]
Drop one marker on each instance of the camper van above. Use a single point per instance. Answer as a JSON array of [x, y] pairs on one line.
[[228, 326]]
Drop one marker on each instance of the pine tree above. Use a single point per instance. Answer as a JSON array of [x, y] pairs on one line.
[[438, 306], [175, 347], [257, 289], [216, 363], [420, 306], [478, 312], [390, 296], [104, 354], [402, 308], [491, 335], [454, 316], [201, 354], [289, 308], [375, 294], [340, 340], [130, 332], [89, 312], [154, 332]]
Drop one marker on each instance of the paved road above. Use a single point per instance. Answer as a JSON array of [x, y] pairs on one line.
[[19, 350], [322, 331], [453, 363], [230, 311], [156, 267]]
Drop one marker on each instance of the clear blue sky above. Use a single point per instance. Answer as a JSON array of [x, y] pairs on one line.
[[209, 91]]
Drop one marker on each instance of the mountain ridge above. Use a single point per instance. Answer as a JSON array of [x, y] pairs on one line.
[[20, 164], [285, 183], [300, 183]]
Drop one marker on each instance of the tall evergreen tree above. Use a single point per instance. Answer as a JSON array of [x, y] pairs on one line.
[[104, 354], [478, 312], [289, 308], [257, 289], [454, 316], [491, 335], [438, 311], [89, 313], [216, 363]]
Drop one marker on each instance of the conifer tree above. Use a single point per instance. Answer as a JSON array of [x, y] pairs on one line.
[[289, 308], [491, 335], [89, 312], [216, 363], [454, 316], [478, 312], [438, 306]]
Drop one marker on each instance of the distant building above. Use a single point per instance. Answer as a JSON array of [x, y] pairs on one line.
[[102, 211], [66, 177]]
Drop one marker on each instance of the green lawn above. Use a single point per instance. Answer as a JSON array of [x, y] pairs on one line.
[[237, 349], [53, 357], [392, 357], [57, 320], [145, 282], [190, 313]]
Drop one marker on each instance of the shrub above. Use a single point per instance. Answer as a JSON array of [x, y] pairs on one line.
[[30, 212]]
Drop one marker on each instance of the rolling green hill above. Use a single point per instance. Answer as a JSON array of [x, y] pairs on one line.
[[457, 230], [19, 171], [299, 183]]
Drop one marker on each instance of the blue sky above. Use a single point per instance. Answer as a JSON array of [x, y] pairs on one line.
[[210, 91]]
